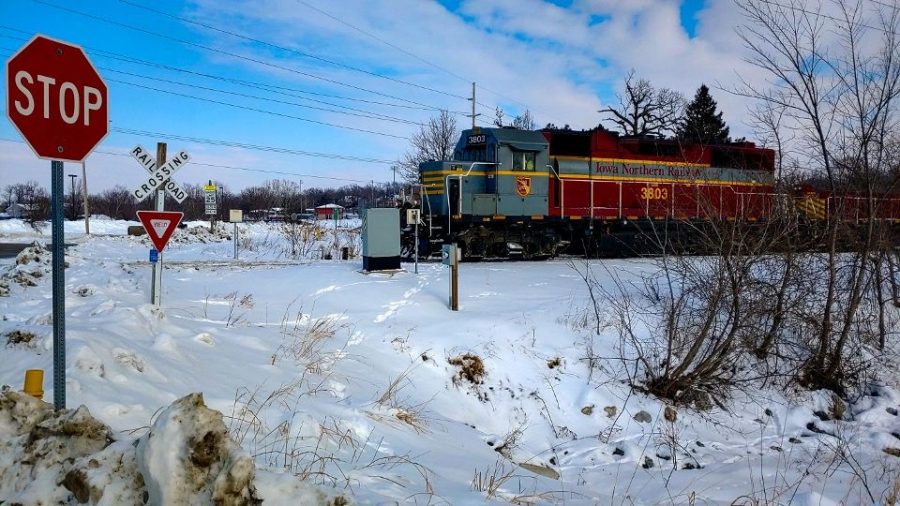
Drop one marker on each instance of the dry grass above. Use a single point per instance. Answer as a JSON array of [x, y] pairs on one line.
[[491, 480], [471, 368], [304, 337], [21, 337], [893, 493], [397, 408]]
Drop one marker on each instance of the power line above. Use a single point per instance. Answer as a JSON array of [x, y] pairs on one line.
[[368, 115], [889, 6], [820, 14], [244, 145], [226, 53], [294, 51], [282, 90], [361, 114], [254, 109], [270, 88], [231, 167], [385, 42], [413, 55]]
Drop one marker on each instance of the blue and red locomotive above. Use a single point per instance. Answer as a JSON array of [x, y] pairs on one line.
[[535, 194]]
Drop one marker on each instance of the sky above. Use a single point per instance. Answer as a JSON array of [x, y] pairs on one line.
[[329, 93]]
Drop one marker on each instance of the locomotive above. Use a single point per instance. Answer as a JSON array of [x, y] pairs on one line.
[[511, 193]]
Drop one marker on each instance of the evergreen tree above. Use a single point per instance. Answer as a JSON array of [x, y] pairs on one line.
[[701, 123]]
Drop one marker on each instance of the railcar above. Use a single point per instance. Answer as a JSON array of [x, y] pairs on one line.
[[535, 194]]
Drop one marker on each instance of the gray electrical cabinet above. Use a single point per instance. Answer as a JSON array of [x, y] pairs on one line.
[[381, 239]]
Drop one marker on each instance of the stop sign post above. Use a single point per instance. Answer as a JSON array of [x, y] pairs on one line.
[[59, 103]]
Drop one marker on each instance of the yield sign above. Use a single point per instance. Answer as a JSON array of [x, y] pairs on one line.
[[160, 225]]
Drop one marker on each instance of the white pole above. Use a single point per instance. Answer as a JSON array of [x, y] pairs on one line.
[[156, 285], [87, 211]]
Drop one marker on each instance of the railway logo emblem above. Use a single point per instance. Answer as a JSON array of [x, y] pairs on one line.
[[523, 186]]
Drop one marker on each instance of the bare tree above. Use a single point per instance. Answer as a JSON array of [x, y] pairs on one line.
[[116, 203], [524, 121], [7, 197], [498, 117], [434, 141], [835, 80], [645, 110]]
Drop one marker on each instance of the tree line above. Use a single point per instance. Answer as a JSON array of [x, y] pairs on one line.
[[274, 197]]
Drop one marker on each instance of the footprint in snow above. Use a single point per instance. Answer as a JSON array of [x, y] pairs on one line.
[[104, 307], [129, 359], [393, 307], [326, 290], [205, 338], [88, 362], [165, 342]]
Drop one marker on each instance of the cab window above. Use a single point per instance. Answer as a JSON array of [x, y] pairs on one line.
[[523, 160]]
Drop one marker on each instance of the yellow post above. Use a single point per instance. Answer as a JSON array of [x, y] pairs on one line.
[[34, 383]]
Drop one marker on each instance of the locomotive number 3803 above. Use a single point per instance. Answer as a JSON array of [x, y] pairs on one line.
[[654, 193]]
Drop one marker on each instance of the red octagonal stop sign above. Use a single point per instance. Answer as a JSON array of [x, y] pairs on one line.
[[56, 99]]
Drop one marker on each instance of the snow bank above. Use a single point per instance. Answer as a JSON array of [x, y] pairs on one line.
[[44, 455], [186, 458]]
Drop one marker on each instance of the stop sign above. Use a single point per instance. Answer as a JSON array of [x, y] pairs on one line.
[[56, 99]]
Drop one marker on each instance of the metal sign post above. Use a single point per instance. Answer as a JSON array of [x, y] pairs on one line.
[[59, 287], [160, 225], [450, 256], [156, 284], [235, 216], [412, 215]]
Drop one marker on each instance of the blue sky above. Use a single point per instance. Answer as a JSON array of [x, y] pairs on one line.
[[353, 79]]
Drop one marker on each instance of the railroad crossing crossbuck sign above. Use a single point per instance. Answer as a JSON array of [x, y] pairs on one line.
[[160, 177], [56, 99]]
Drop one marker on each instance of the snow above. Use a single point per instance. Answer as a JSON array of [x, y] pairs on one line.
[[340, 383]]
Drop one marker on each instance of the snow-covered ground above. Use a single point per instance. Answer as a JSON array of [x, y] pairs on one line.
[[369, 387]]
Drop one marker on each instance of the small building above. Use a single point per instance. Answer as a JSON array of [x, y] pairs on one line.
[[18, 210], [329, 211]]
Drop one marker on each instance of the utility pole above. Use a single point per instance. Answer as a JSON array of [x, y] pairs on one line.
[[84, 192], [473, 115], [74, 211]]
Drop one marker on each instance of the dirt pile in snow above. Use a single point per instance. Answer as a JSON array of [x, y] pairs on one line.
[[69, 457], [45, 454], [188, 458], [200, 234], [32, 263]]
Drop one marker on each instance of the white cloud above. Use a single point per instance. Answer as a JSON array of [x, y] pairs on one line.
[[561, 63]]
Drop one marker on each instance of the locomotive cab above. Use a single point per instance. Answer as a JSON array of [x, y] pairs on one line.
[[509, 169]]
